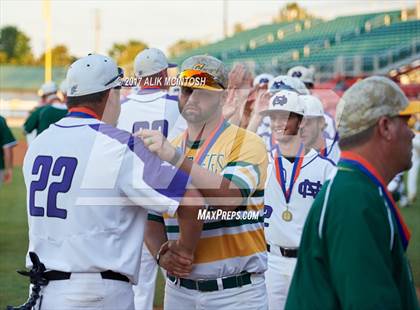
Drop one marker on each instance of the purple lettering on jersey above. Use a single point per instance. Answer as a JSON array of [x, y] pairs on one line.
[[161, 176], [69, 165], [44, 163], [268, 210]]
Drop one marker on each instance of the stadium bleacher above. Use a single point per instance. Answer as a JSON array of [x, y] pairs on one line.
[[375, 39]]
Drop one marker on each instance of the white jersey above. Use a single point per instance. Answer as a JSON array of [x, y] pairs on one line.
[[264, 131], [86, 181], [332, 150], [314, 172], [152, 109]]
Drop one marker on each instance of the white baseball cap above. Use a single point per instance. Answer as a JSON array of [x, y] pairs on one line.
[[92, 74], [48, 88], [263, 78], [151, 61], [64, 86], [285, 100], [312, 106], [304, 74], [284, 82]]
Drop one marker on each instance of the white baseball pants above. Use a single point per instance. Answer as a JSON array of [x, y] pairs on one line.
[[278, 279], [248, 297]]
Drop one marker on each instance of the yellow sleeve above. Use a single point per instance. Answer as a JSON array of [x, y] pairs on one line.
[[247, 162]]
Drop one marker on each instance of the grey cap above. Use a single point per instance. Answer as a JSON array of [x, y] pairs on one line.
[[207, 64], [365, 102]]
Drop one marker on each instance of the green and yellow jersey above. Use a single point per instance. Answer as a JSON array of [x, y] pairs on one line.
[[230, 246]]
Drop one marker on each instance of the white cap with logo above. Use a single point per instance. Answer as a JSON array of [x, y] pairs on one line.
[[284, 82], [150, 61], [312, 106], [304, 74], [64, 87], [92, 74], [263, 78], [48, 88], [284, 100]]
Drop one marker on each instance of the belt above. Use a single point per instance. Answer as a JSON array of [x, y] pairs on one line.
[[286, 252], [211, 285], [55, 275]]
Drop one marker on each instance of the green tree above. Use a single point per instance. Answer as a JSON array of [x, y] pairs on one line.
[[182, 46], [292, 11], [60, 56], [15, 46], [124, 53], [238, 27]]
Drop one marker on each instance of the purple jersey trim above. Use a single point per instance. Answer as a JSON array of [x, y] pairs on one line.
[[162, 177]]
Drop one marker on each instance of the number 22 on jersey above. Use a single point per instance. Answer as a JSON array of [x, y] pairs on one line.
[[46, 167]]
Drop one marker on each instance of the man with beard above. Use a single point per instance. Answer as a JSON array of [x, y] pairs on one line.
[[230, 257]]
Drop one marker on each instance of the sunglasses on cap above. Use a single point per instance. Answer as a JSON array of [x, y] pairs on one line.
[[280, 85], [198, 79], [120, 75]]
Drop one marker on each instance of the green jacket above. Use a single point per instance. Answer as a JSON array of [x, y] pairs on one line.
[[345, 257], [41, 118], [6, 139]]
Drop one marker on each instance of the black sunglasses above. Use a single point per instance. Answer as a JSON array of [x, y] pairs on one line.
[[120, 75]]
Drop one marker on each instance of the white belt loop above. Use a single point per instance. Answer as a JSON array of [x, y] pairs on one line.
[[219, 284], [275, 249]]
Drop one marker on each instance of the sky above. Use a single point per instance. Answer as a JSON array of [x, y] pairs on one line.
[[159, 23]]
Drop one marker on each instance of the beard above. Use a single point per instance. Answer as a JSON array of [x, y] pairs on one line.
[[194, 114]]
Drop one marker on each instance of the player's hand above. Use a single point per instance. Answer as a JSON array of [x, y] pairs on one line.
[[174, 261], [8, 176], [261, 101], [157, 143]]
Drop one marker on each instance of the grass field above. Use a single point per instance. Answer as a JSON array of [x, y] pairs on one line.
[[14, 241]]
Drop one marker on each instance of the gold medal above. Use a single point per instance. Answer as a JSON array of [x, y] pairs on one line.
[[287, 215]]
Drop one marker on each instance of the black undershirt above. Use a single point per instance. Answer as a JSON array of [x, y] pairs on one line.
[[291, 159]]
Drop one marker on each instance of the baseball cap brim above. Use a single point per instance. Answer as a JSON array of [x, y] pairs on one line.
[[200, 80], [271, 111], [412, 108]]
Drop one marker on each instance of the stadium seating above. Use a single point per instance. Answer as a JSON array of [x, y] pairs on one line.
[[364, 36]]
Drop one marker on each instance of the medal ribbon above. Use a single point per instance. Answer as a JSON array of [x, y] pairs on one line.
[[297, 166], [211, 139], [82, 112], [324, 151], [364, 166]]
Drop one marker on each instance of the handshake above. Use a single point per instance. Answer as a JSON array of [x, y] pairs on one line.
[[175, 259]]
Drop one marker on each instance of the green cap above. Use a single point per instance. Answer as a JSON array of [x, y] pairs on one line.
[[207, 64], [365, 102]]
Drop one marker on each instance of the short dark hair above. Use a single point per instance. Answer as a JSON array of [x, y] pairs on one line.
[[89, 99], [309, 85], [357, 139]]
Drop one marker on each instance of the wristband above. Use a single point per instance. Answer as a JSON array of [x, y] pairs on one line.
[[175, 159]]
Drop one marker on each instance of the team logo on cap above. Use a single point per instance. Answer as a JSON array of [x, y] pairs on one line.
[[198, 66], [73, 89], [297, 74], [264, 80], [279, 100]]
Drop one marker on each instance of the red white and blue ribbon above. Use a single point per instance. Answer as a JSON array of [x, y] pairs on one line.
[[297, 166], [210, 141], [82, 112], [364, 166]]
